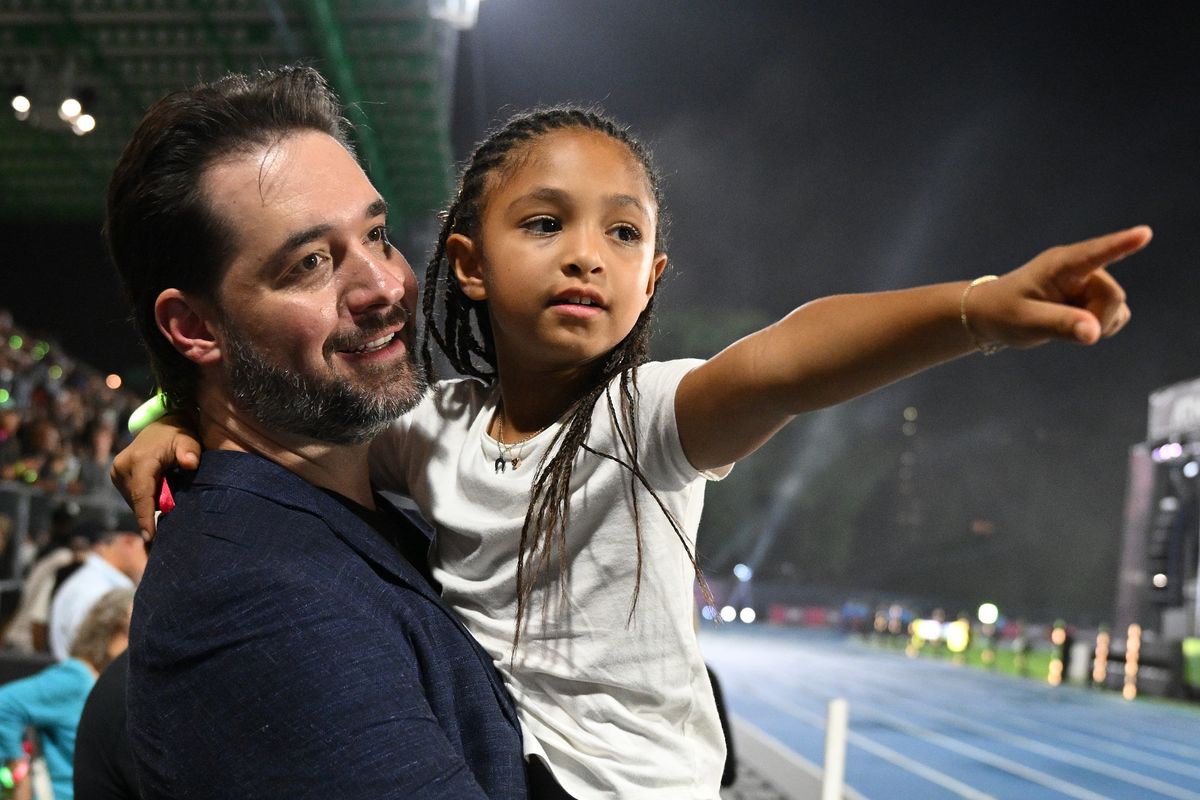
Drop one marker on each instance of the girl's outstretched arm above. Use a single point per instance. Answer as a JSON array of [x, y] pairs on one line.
[[836, 348]]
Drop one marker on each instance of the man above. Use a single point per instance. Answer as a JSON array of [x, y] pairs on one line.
[[116, 561], [286, 640]]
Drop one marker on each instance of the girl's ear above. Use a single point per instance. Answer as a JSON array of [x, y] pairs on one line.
[[656, 271], [186, 327], [464, 258]]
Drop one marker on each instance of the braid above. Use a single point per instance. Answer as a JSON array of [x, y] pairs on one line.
[[461, 331]]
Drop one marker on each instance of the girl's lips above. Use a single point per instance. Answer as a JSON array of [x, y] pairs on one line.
[[576, 311], [579, 295]]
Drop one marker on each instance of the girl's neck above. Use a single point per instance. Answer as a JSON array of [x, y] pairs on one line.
[[530, 402]]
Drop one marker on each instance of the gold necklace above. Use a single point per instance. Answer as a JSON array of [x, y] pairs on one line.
[[505, 454]]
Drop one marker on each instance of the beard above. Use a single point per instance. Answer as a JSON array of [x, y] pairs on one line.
[[324, 408]]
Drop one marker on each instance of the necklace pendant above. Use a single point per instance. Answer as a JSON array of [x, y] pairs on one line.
[[500, 465], [516, 462]]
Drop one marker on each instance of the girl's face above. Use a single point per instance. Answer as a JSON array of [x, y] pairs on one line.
[[565, 252]]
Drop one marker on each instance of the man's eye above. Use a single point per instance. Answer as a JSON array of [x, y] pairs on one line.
[[307, 266], [627, 233], [380, 234], [542, 225], [309, 262]]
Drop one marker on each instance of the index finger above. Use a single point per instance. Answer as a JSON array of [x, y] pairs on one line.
[[143, 499], [1082, 258]]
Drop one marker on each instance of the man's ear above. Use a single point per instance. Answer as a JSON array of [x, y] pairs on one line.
[[185, 325], [463, 256], [656, 271]]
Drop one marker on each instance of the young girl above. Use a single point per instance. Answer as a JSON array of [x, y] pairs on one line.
[[565, 476]]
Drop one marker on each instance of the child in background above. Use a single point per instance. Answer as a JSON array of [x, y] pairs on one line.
[[51, 701], [564, 476]]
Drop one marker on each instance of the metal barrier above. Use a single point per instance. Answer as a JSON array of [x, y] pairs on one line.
[[30, 509]]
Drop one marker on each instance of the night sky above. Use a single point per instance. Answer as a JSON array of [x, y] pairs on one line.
[[817, 148]]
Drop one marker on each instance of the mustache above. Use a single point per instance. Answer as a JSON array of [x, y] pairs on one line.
[[368, 327]]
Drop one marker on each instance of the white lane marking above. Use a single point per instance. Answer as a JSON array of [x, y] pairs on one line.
[[1050, 750], [1107, 726]]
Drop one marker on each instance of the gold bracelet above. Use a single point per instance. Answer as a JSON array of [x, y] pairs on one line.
[[987, 348]]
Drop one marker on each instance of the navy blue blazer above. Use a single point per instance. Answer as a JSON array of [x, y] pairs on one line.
[[282, 648]]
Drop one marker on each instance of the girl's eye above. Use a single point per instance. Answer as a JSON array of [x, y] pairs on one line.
[[542, 225], [627, 233]]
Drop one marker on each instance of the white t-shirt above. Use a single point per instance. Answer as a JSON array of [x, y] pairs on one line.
[[76, 597], [617, 706]]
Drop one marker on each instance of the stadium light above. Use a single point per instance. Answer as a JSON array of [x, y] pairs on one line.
[[988, 613], [728, 613], [743, 573], [957, 635], [21, 104], [460, 14], [84, 125], [747, 616], [70, 109]]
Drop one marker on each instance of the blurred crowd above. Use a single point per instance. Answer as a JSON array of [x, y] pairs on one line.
[[70, 554], [60, 425]]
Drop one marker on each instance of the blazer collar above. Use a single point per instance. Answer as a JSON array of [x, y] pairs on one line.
[[260, 476]]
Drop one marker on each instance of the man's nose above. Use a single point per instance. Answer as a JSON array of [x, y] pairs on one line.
[[376, 280]]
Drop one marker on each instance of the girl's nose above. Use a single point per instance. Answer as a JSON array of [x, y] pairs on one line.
[[583, 254]]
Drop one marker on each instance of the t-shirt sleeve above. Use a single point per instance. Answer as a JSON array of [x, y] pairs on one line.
[[660, 450]]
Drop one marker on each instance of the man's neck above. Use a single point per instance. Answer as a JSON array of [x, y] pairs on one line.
[[337, 467]]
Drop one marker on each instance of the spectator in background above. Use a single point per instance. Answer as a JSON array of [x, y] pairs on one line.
[[10, 443], [104, 767], [28, 630], [6, 536], [47, 459], [97, 456], [52, 701], [116, 561]]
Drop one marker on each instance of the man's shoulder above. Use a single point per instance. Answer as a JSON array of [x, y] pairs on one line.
[[234, 493], [225, 539]]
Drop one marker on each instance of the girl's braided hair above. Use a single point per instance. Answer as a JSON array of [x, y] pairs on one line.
[[461, 329]]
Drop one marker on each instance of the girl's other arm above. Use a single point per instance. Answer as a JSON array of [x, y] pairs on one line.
[[837, 348], [137, 469]]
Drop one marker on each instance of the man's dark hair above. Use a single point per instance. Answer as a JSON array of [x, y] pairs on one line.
[[161, 231]]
